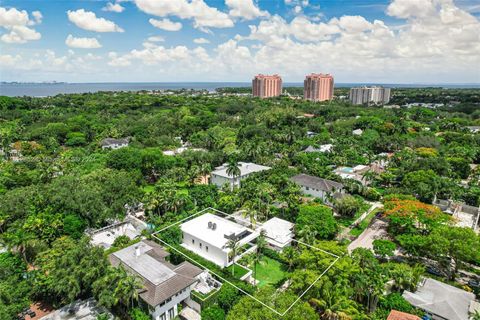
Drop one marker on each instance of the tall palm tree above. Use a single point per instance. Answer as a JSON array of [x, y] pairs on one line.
[[307, 234], [233, 170], [261, 245], [233, 245]]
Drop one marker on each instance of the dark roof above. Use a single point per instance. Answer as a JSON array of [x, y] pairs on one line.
[[316, 182], [175, 279]]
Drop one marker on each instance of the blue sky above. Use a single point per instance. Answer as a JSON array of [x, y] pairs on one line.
[[390, 41]]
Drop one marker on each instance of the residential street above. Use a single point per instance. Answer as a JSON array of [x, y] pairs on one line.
[[376, 230]]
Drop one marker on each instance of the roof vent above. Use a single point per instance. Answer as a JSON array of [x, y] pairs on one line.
[[214, 226], [210, 224], [137, 251]]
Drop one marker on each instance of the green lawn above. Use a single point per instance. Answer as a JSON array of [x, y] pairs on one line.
[[239, 271], [269, 271]]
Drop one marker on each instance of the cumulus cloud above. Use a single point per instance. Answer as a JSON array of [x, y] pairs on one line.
[[88, 20], [113, 7], [82, 43], [245, 9], [201, 41], [203, 16], [17, 23], [156, 39], [166, 24]]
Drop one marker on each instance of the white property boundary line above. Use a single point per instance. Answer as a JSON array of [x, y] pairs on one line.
[[281, 314]]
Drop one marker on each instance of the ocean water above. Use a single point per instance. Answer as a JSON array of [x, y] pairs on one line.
[[51, 89]]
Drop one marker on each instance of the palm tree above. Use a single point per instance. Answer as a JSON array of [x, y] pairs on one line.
[[251, 213], [233, 245], [307, 234], [290, 255], [261, 245], [127, 288], [233, 170], [333, 302]]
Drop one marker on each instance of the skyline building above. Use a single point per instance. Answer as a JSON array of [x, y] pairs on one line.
[[266, 86], [318, 87], [366, 95]]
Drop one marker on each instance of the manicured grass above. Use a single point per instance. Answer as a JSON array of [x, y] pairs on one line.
[[238, 272], [347, 221], [364, 224], [269, 271]]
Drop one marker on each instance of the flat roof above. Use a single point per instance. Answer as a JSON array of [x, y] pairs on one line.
[[198, 227], [143, 264], [278, 230], [245, 168]]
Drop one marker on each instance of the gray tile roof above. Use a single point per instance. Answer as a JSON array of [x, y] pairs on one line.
[[112, 141], [316, 183], [162, 279], [441, 299]]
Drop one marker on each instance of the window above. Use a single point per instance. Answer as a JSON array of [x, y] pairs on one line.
[[171, 313], [163, 317], [200, 244], [307, 188], [206, 248], [193, 241]]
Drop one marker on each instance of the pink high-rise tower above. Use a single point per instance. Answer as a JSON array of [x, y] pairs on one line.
[[264, 86], [318, 87]]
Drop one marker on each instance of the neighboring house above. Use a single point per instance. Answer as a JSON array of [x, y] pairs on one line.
[[465, 215], [79, 310], [318, 187], [111, 143], [208, 235], [181, 150], [323, 148], [165, 285], [130, 227], [219, 176], [442, 301], [359, 172], [397, 315], [278, 233], [311, 134]]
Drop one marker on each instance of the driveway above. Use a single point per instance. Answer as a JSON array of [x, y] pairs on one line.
[[377, 230]]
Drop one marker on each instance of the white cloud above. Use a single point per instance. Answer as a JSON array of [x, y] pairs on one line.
[[17, 25], [37, 16], [166, 24], [88, 20], [113, 7], [156, 39], [203, 15], [411, 8], [117, 61], [245, 9], [20, 34], [201, 41], [82, 43]]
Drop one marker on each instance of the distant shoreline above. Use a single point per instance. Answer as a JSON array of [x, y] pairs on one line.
[[43, 89]]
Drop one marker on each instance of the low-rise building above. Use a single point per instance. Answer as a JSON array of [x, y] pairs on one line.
[[357, 132], [464, 215], [318, 187], [360, 172], [278, 233], [166, 286], [442, 301], [79, 310], [111, 143], [131, 227], [397, 315], [322, 148], [208, 235], [220, 177]]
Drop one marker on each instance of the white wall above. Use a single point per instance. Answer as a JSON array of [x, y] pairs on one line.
[[214, 254], [163, 309]]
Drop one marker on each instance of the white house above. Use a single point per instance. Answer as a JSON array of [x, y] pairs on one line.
[[219, 176], [165, 285], [131, 227], [323, 148], [279, 233], [357, 132], [318, 187], [208, 235], [111, 143]]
